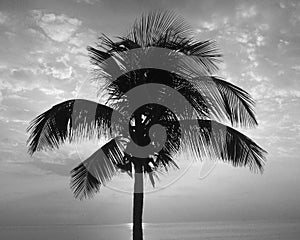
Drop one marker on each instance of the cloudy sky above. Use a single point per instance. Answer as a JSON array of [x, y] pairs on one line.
[[43, 61]]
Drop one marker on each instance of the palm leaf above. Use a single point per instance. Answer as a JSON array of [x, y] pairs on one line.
[[151, 27], [210, 139], [164, 147], [221, 99], [191, 102], [97, 170], [226, 101], [165, 29], [205, 53], [97, 56], [71, 120], [165, 159], [160, 29]]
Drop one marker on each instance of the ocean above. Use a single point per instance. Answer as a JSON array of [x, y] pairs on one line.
[[245, 230]]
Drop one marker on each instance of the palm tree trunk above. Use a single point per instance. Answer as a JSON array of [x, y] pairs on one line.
[[138, 198]]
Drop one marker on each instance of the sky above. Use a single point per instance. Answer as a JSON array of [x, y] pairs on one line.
[[43, 61]]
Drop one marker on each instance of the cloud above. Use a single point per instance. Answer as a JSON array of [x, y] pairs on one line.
[[216, 23], [91, 2], [252, 76], [3, 18], [58, 27], [243, 37], [282, 5], [55, 168], [17, 79], [55, 65], [58, 70], [246, 12], [295, 17], [1, 96], [81, 39], [296, 68], [266, 90], [263, 26], [52, 91], [260, 40], [209, 26]]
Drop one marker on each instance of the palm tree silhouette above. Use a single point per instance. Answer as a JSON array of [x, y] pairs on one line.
[[193, 125]]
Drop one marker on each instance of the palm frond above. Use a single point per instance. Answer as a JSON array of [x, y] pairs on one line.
[[213, 140], [148, 30], [191, 102], [160, 29], [151, 27], [162, 142], [97, 56], [111, 46], [226, 101], [107, 48], [165, 159], [97, 170], [164, 151], [205, 53], [165, 29], [71, 120]]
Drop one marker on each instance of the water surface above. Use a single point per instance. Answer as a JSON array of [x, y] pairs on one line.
[[263, 230]]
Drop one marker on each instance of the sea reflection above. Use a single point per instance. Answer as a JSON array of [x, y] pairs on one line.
[[263, 230]]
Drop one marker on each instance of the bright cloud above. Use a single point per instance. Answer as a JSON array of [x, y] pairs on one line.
[[58, 27], [210, 26], [57, 70], [1, 97], [296, 68], [52, 91], [3, 18], [246, 11], [91, 2]]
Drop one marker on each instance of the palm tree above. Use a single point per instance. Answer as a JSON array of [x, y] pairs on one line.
[[193, 124]]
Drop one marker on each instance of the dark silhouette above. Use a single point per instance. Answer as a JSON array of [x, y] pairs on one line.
[[190, 124]]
